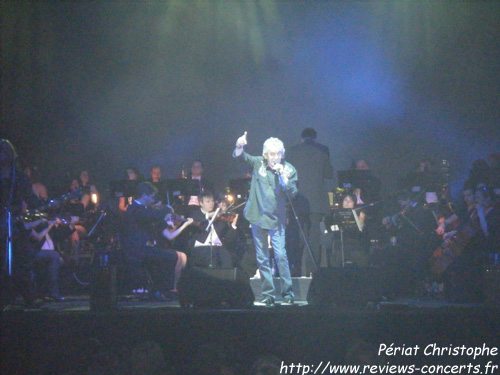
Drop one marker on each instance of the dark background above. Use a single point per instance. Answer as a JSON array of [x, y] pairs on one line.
[[103, 85]]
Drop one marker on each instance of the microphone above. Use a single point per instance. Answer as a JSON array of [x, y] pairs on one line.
[[275, 171]]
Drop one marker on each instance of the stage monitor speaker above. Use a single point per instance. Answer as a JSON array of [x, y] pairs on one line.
[[347, 287], [214, 288]]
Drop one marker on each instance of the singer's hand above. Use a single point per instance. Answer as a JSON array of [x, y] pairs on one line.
[[440, 230], [242, 141], [278, 168]]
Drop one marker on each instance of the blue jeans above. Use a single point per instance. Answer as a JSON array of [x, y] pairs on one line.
[[264, 262]]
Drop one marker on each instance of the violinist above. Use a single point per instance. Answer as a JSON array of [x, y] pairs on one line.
[[207, 245], [175, 226], [140, 246], [41, 231], [413, 240]]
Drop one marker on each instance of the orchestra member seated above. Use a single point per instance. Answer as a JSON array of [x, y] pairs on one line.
[[413, 239], [192, 201], [171, 232], [75, 207], [45, 251], [423, 178], [462, 213], [207, 245], [40, 194], [237, 243], [353, 247], [366, 186], [88, 190], [140, 245], [474, 244], [133, 177]]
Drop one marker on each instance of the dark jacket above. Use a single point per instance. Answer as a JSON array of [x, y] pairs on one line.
[[313, 169]]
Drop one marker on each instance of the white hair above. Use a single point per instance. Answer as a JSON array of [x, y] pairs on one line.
[[273, 144]]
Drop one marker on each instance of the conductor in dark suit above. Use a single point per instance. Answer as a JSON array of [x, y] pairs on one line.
[[312, 162]]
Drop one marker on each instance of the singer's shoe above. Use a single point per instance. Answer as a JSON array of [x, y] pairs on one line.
[[266, 302], [54, 298], [287, 301]]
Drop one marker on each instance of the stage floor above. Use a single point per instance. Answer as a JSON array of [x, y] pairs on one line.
[[69, 337], [81, 303]]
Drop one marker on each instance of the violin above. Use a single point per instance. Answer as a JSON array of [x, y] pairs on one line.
[[395, 220], [178, 220], [227, 216], [30, 216]]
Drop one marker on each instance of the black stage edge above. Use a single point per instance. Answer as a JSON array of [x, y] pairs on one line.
[[67, 338]]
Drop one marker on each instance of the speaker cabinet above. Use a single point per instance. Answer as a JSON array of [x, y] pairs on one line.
[[214, 288], [347, 287]]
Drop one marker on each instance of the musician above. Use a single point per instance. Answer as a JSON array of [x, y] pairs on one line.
[[155, 172], [479, 173], [207, 245], [474, 244], [236, 244], [171, 232], [464, 212], [312, 162], [40, 193], [45, 252], [133, 178], [353, 247], [412, 229], [75, 207], [140, 245], [204, 185], [423, 178], [366, 185], [273, 182], [88, 189]]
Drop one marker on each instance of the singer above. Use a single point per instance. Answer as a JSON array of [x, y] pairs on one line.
[[273, 181]]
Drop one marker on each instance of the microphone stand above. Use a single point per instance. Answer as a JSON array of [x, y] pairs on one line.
[[101, 216], [9, 239], [342, 245], [301, 231]]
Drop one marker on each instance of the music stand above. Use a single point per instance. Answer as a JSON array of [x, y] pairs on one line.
[[116, 188], [341, 219], [180, 187], [123, 188], [208, 228]]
